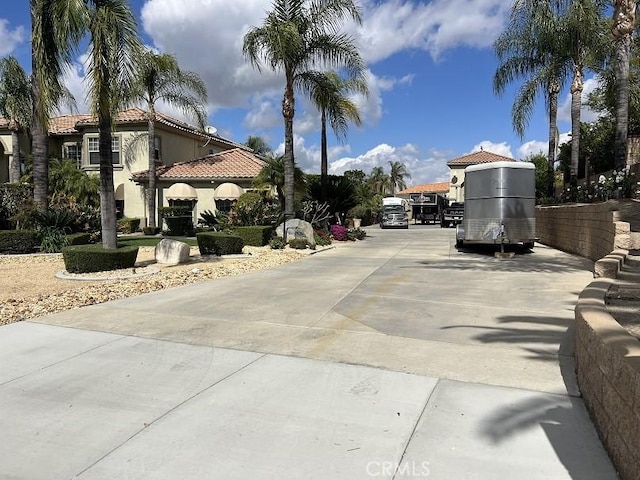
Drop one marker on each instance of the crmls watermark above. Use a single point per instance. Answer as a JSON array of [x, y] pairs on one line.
[[404, 470]]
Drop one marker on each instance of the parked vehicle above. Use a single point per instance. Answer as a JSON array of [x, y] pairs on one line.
[[394, 213], [452, 215], [427, 207], [499, 205]]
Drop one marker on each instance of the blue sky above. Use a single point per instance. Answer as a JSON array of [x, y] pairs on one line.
[[430, 63]]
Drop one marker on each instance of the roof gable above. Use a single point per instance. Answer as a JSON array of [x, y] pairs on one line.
[[441, 187]]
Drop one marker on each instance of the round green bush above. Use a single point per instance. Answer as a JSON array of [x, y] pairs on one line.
[[298, 243], [95, 258]]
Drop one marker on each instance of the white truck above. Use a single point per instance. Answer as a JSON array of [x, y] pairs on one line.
[[395, 213]]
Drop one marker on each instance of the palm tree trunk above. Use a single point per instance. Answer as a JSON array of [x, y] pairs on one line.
[[554, 91], [39, 152], [151, 191], [324, 162], [288, 111], [624, 21], [576, 103], [14, 168], [107, 195]]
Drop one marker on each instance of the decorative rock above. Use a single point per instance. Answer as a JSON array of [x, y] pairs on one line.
[[172, 252], [297, 228]]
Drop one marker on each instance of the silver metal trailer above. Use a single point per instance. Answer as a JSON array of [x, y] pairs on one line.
[[499, 206]]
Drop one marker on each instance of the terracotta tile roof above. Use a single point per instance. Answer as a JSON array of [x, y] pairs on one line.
[[65, 124], [442, 187], [234, 163], [478, 157]]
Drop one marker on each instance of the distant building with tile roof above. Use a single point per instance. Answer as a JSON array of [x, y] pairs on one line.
[[441, 187], [183, 153], [457, 166]]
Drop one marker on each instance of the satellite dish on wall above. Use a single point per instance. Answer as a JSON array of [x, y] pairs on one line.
[[210, 129]]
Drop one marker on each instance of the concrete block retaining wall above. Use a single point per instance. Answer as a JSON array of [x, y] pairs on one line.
[[608, 369], [589, 230]]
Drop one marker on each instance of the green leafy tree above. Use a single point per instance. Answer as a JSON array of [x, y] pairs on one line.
[[341, 193], [330, 93], [56, 28], [540, 161], [380, 182], [294, 38], [15, 106], [272, 176], [158, 77]]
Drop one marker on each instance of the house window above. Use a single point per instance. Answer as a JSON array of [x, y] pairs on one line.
[[94, 150], [72, 151], [157, 149]]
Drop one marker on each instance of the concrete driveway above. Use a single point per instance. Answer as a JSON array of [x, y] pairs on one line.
[[394, 357]]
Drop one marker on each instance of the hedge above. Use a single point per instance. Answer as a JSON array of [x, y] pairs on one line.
[[94, 258], [18, 241], [78, 238], [257, 236], [129, 225], [180, 226], [218, 243]]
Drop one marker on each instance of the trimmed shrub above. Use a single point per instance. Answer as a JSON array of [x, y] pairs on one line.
[[256, 236], [277, 243], [95, 258], [218, 243], [18, 241], [180, 226], [52, 240], [298, 243], [356, 234], [151, 230], [128, 225], [78, 239], [322, 238]]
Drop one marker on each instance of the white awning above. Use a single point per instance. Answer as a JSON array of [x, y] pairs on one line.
[[228, 191], [181, 191]]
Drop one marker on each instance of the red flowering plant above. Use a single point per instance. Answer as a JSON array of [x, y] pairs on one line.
[[339, 233]]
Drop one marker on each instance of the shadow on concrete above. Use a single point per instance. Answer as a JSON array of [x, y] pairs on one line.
[[566, 424], [521, 264]]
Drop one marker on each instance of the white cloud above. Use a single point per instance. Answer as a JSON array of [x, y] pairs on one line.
[[435, 26], [533, 147], [264, 115], [502, 148], [586, 114], [422, 168], [9, 38]]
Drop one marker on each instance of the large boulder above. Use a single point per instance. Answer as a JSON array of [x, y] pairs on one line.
[[172, 252], [297, 228]]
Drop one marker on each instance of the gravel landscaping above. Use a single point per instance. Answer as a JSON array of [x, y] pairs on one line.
[[29, 287]]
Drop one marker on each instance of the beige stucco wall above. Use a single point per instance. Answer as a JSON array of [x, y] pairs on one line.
[[456, 191]]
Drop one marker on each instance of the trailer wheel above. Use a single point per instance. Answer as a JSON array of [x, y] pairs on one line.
[[458, 243]]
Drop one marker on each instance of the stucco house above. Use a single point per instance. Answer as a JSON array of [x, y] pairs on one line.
[[457, 166], [176, 142]]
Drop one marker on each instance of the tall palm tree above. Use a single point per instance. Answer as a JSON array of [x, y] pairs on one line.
[[530, 49], [624, 20], [583, 36], [397, 176], [56, 27], [330, 93], [15, 106], [114, 46], [295, 37], [159, 78], [380, 182]]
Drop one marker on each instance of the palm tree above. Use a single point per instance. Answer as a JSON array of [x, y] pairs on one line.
[[583, 36], [114, 46], [380, 182], [56, 27], [296, 36], [272, 176], [529, 49], [15, 106], [624, 19], [159, 77], [329, 92], [397, 175], [259, 145]]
